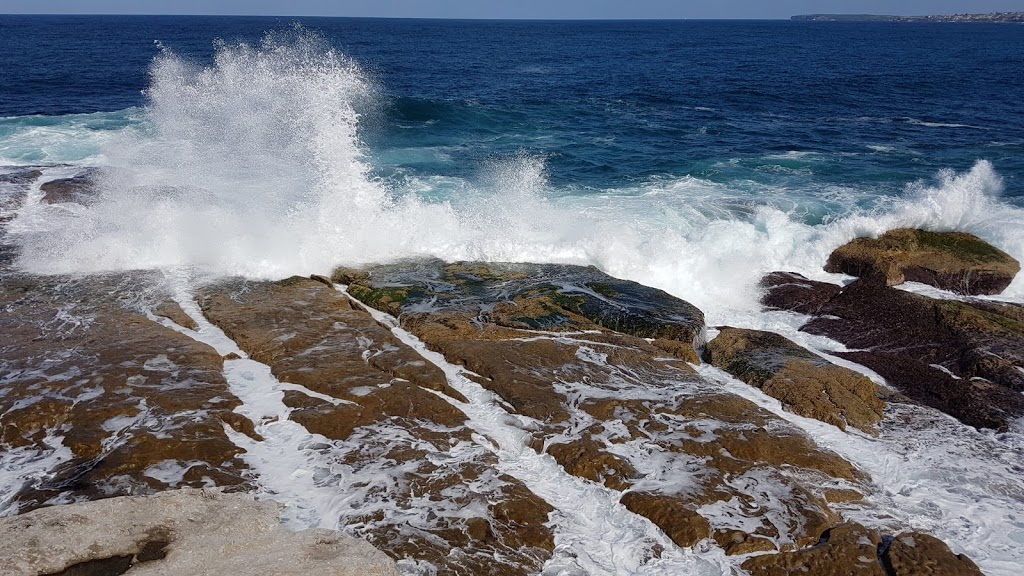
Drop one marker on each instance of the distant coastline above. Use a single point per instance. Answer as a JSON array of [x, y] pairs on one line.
[[998, 17]]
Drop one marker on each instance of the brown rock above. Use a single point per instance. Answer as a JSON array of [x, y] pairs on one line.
[[388, 411], [736, 543], [601, 398], [805, 383], [682, 525], [791, 291], [172, 311], [916, 554], [114, 385], [846, 550], [80, 189], [954, 261], [584, 458]]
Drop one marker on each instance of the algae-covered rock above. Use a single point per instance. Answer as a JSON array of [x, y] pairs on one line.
[[530, 296], [805, 383], [954, 261], [178, 533]]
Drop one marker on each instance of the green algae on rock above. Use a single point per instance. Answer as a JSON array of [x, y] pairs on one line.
[[955, 261]]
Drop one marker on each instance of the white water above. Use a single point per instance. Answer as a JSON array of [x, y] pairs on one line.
[[254, 166]]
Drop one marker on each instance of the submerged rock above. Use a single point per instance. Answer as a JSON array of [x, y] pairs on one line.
[[792, 291], [804, 382], [178, 533], [954, 261]]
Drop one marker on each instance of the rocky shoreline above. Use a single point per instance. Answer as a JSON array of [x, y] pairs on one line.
[[491, 418], [991, 17]]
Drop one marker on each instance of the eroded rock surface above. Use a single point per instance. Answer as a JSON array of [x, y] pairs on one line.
[[806, 383], [916, 554], [853, 550], [394, 422], [845, 550], [122, 404], [621, 408], [954, 261], [965, 358], [79, 189], [178, 533]]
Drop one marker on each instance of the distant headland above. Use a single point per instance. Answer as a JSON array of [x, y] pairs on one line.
[[1002, 17]]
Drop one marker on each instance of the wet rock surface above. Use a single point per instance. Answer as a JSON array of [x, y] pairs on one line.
[[965, 358], [853, 550], [916, 554], [79, 189], [954, 261], [178, 533], [123, 404], [806, 383], [845, 550], [394, 420], [612, 407]]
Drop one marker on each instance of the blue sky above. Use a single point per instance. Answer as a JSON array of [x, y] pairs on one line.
[[511, 9]]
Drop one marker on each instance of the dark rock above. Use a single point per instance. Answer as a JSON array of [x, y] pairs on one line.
[[805, 383], [21, 177], [954, 261], [79, 189], [791, 291], [963, 358]]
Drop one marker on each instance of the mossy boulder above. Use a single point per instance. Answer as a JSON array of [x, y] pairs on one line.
[[954, 261]]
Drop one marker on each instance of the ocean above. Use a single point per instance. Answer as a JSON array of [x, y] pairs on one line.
[[692, 156]]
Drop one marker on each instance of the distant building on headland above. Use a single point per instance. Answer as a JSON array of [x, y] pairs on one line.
[[1001, 17]]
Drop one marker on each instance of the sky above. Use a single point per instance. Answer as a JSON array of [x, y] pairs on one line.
[[541, 9]]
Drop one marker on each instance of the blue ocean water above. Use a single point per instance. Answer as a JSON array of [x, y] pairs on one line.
[[606, 103], [639, 140]]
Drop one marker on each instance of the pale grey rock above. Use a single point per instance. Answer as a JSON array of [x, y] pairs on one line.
[[185, 532]]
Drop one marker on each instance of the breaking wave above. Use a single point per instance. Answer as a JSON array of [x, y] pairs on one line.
[[254, 166]]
